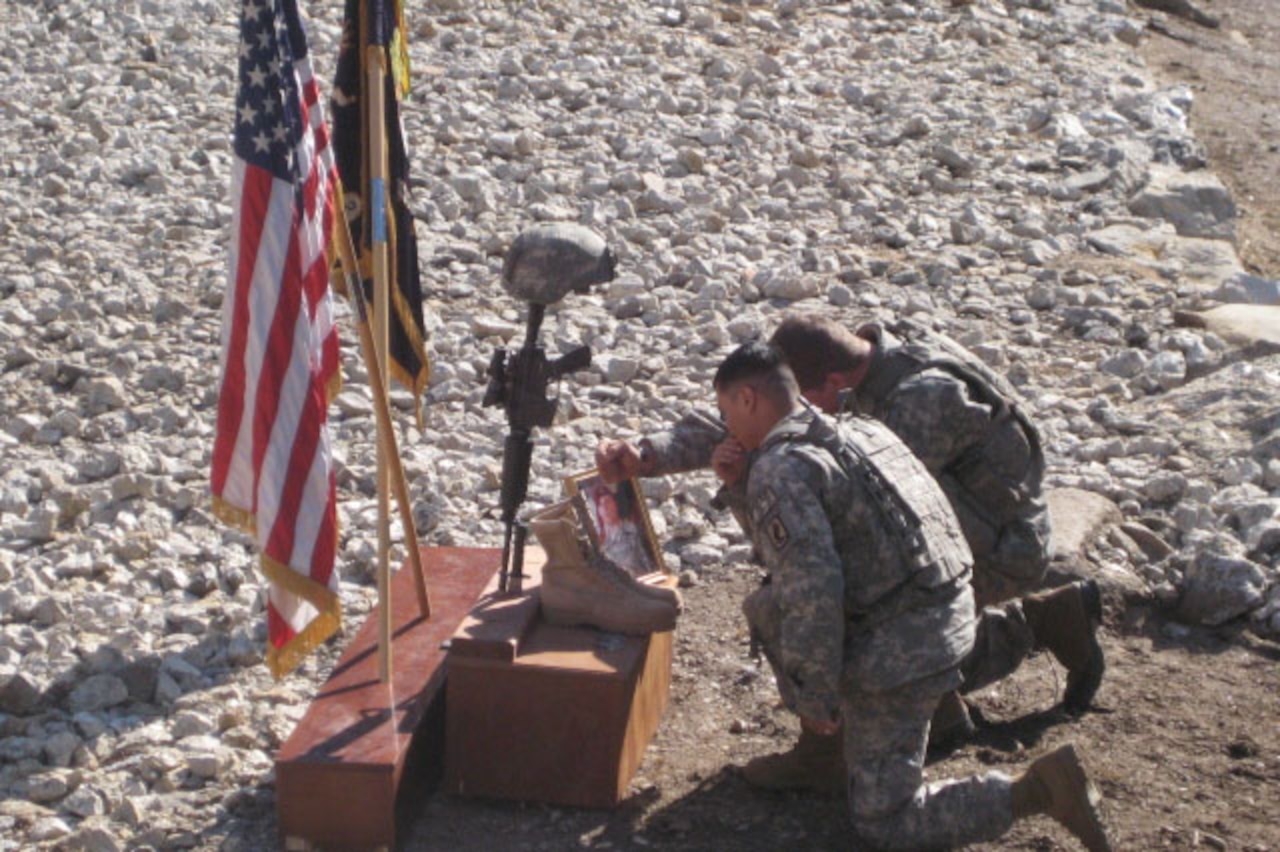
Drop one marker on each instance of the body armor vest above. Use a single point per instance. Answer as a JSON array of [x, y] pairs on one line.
[[911, 508], [1000, 473]]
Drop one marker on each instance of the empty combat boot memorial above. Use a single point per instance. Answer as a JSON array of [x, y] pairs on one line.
[[582, 588]]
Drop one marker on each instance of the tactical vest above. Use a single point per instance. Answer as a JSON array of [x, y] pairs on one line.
[[1001, 473], [911, 507]]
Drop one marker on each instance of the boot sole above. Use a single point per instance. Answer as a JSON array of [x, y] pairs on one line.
[[1082, 818], [573, 614], [608, 625]]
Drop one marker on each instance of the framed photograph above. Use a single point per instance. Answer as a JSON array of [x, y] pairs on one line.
[[621, 527]]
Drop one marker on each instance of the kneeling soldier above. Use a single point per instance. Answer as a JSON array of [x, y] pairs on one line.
[[869, 614]]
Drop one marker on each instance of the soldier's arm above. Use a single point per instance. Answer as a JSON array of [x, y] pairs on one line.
[[933, 415], [795, 539], [686, 446]]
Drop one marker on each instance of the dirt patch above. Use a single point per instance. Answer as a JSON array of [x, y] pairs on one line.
[[1235, 74]]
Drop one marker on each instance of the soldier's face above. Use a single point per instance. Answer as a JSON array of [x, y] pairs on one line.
[[739, 410], [826, 396]]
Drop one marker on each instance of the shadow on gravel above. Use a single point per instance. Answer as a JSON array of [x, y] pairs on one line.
[[247, 822]]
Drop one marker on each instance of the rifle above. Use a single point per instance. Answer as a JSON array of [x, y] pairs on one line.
[[544, 263]]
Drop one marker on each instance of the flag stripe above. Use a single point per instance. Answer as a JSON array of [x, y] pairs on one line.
[[281, 544], [324, 554], [281, 391], [255, 184]]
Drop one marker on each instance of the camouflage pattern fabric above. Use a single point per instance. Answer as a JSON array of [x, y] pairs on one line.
[[685, 446], [885, 738], [1003, 641], [823, 534], [857, 592], [935, 413], [953, 427], [547, 262]]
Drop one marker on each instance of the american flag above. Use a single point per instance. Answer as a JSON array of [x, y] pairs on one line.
[[272, 468]]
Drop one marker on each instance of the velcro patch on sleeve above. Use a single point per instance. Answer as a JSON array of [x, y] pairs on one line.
[[779, 535]]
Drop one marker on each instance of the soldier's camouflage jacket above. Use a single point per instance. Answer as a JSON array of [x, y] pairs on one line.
[[964, 422], [869, 569]]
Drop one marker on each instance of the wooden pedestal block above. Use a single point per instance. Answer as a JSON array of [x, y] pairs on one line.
[[363, 744], [544, 713]]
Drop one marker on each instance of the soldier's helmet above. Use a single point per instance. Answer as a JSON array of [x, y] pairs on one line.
[[548, 261]]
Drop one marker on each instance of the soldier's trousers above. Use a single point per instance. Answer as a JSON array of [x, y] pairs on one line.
[[885, 737], [1004, 639]]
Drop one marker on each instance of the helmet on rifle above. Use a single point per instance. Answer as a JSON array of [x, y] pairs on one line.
[[548, 261]]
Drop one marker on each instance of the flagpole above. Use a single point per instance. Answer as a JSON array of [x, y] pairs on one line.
[[377, 207], [382, 409]]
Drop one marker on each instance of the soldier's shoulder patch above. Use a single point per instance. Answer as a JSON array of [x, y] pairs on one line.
[[779, 535]]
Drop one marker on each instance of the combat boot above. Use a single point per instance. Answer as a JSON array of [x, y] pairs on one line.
[[1065, 622], [663, 591], [571, 549], [815, 762], [952, 725], [576, 592], [1056, 785]]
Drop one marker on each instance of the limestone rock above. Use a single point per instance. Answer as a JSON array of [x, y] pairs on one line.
[[1218, 588], [1076, 517], [19, 693], [97, 693], [1195, 203]]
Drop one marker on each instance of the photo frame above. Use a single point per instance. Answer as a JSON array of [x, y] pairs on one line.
[[619, 522]]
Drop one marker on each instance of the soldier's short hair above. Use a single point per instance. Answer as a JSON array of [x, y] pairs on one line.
[[763, 367], [815, 346]]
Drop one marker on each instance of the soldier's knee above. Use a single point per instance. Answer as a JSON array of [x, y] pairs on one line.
[[873, 835]]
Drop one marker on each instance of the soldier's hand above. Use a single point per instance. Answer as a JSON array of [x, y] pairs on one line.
[[617, 460], [729, 461]]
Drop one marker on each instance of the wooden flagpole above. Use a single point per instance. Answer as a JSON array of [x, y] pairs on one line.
[[375, 203], [382, 409]]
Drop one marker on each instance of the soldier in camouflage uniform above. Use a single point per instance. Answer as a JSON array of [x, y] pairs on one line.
[[963, 422], [870, 612]]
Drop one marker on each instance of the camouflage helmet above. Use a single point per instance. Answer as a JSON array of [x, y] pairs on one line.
[[548, 261]]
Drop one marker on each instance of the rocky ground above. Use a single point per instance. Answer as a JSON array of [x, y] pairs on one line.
[[1015, 173]]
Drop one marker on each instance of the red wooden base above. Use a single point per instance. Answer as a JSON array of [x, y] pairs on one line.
[[363, 744]]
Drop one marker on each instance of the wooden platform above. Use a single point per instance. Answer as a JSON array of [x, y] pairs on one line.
[[544, 713], [362, 744]]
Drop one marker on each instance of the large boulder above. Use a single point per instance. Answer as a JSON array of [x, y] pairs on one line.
[[1195, 203], [1248, 325], [1219, 587]]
